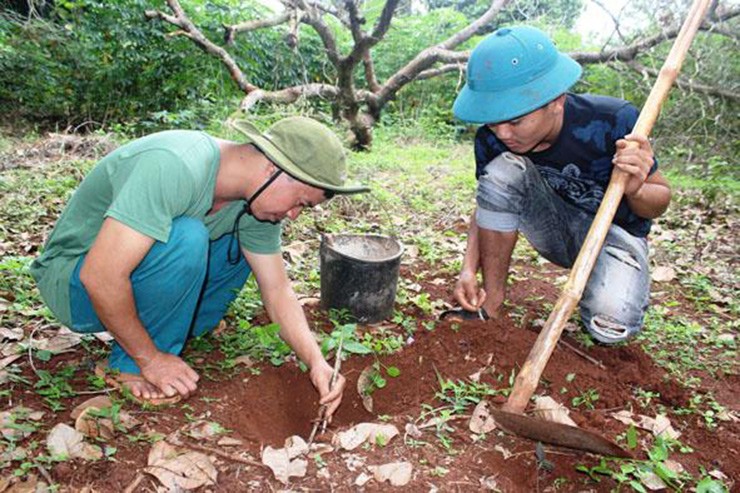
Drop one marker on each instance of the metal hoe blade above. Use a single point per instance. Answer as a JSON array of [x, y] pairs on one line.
[[557, 434]]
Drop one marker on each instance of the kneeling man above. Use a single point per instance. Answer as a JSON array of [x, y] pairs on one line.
[[544, 158], [163, 232]]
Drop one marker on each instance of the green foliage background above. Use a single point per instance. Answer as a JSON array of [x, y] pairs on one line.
[[94, 64]]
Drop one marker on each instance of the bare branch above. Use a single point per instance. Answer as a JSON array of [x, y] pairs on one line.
[[292, 94], [384, 21], [313, 19], [444, 69], [688, 85], [372, 81], [253, 25], [441, 52], [182, 21], [470, 31], [355, 21], [628, 53]]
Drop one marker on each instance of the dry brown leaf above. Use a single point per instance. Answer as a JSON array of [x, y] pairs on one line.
[[365, 432], [489, 483], [287, 462], [296, 251], [9, 418], [8, 360], [295, 446], [396, 473], [663, 273], [201, 430], [64, 441], [229, 442], [364, 384], [11, 334], [651, 481], [362, 479], [547, 408], [94, 426], [658, 426], [505, 452], [59, 343], [178, 469], [482, 421], [30, 485], [100, 402], [413, 431]]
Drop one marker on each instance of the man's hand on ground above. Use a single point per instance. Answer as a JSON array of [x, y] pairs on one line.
[[467, 292], [635, 160], [170, 374], [321, 377]]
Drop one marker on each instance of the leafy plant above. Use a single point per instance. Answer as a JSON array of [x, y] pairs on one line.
[[587, 398]]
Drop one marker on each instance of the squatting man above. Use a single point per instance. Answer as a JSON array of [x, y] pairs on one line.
[[544, 158], [162, 234]]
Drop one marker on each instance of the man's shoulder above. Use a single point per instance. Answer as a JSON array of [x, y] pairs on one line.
[[595, 105]]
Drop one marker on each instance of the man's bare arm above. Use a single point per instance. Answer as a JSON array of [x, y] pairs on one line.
[[106, 275], [284, 309]]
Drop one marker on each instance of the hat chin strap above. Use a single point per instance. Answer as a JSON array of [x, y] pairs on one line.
[[233, 260]]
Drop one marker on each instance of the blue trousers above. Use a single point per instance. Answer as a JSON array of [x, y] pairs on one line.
[[182, 288], [512, 195]]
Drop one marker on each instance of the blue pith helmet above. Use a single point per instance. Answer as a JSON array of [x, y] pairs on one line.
[[512, 72]]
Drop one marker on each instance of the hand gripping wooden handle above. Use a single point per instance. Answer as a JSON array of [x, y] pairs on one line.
[[529, 376]]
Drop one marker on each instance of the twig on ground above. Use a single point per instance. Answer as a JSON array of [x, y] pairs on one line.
[[214, 451], [582, 354], [321, 421], [134, 484]]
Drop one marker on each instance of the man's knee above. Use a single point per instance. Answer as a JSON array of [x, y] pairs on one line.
[[501, 190], [507, 170]]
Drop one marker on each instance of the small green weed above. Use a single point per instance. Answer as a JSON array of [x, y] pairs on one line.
[[587, 398], [54, 387]]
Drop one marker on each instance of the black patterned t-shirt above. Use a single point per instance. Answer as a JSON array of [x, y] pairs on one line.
[[579, 164]]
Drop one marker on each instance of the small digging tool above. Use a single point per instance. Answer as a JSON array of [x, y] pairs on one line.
[[511, 417]]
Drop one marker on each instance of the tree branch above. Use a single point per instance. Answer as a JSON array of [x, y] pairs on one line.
[[313, 19], [444, 69], [182, 21], [372, 81], [292, 94], [628, 53], [253, 25], [441, 52], [688, 85], [470, 31]]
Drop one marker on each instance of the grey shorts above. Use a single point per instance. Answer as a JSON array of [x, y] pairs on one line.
[[513, 196]]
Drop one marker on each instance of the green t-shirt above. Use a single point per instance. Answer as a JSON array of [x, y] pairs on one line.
[[145, 185]]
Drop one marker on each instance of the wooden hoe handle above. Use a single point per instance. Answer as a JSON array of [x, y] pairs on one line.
[[529, 376]]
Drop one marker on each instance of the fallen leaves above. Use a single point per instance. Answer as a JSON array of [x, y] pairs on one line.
[[364, 387], [288, 461], [65, 442], [547, 408], [663, 274], [365, 432], [482, 421], [180, 469], [658, 426], [396, 473]]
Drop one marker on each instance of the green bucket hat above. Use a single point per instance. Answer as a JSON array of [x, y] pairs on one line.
[[305, 149]]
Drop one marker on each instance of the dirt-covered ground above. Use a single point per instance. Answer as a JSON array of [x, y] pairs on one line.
[[428, 375]]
